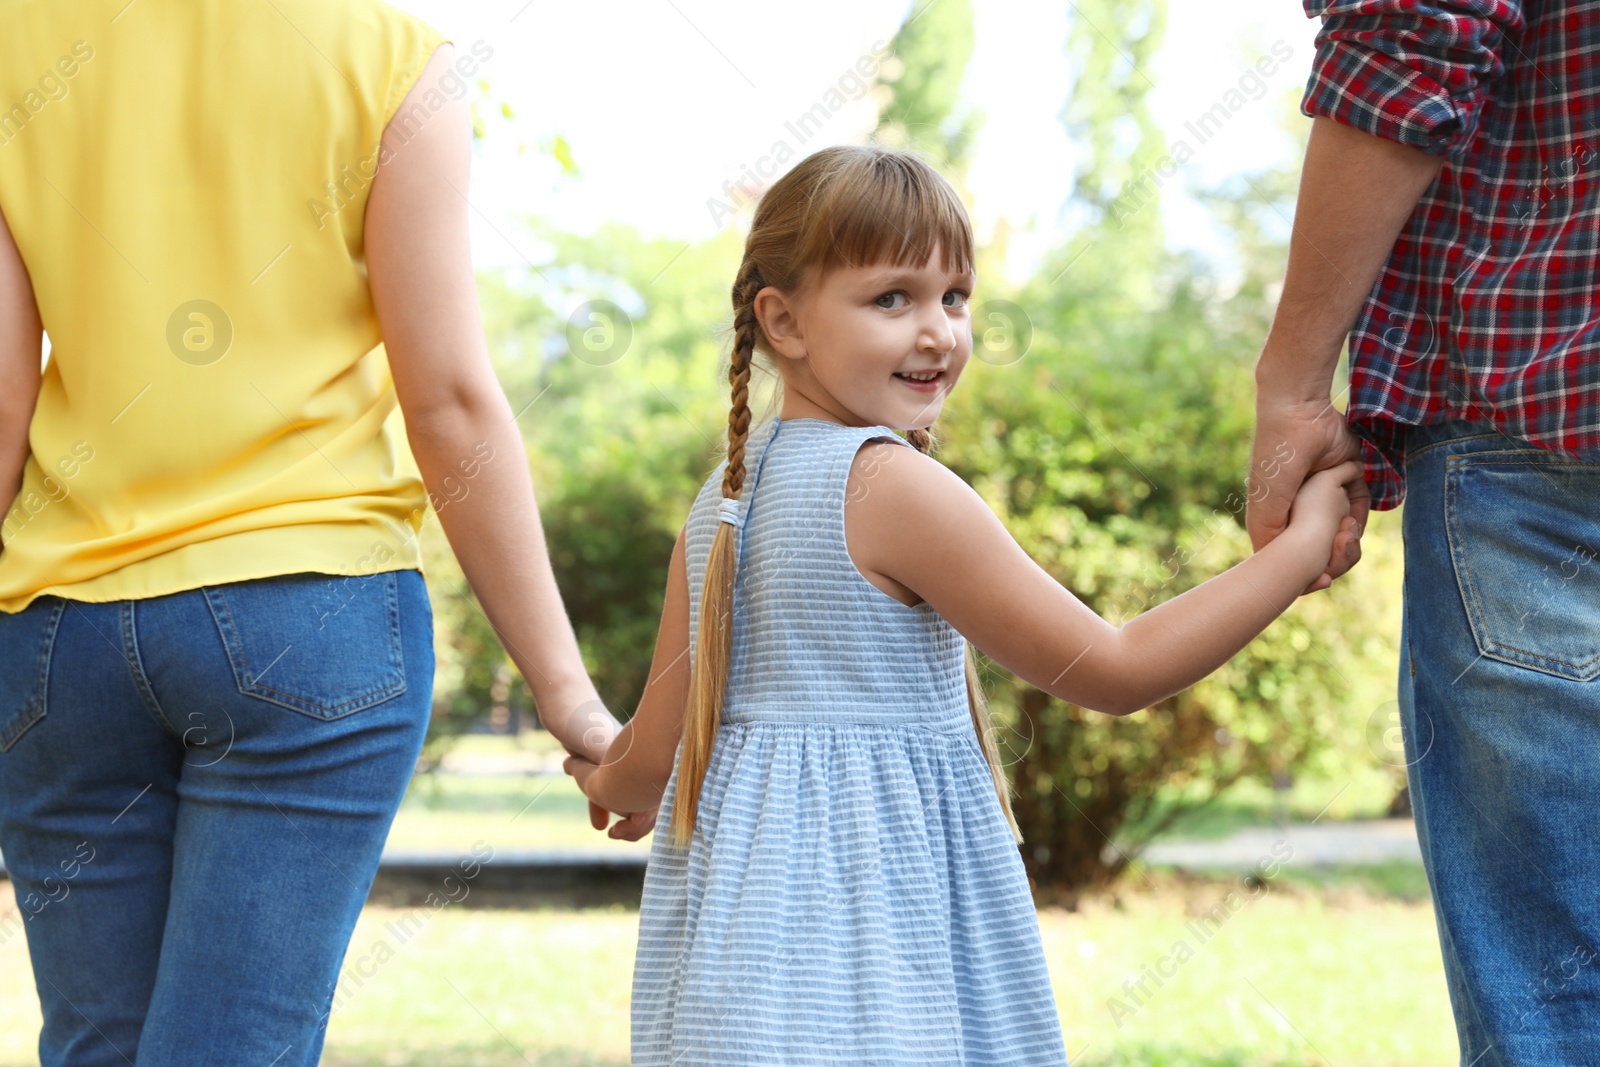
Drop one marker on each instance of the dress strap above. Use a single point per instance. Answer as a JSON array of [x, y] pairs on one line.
[[747, 494]]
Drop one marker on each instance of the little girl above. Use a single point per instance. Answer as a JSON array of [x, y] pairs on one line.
[[835, 876]]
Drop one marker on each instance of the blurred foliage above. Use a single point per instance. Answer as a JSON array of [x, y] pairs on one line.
[[1111, 48], [1114, 447], [1115, 451], [923, 108]]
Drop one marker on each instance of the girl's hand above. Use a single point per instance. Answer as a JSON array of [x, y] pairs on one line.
[[628, 828], [1321, 509], [631, 827], [1321, 503], [1345, 554]]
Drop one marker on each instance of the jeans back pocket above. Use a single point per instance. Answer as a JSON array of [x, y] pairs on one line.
[[26, 639], [1523, 536], [324, 645]]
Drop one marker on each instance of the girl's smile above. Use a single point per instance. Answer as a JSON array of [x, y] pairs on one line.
[[923, 382]]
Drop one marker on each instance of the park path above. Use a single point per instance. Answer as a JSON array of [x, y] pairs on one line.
[[1353, 844], [1356, 843], [1362, 842]]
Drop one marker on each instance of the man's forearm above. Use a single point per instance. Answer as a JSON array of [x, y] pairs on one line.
[[1356, 193]]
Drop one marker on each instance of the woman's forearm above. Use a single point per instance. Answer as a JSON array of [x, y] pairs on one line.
[[15, 419], [21, 348], [473, 462], [13, 457], [1178, 642]]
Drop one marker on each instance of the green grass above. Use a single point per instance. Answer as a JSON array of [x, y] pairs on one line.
[[1394, 880], [1324, 965], [493, 744], [1295, 975], [1365, 794], [446, 812], [443, 811]]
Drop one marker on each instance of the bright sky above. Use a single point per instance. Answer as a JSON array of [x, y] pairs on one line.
[[665, 101]]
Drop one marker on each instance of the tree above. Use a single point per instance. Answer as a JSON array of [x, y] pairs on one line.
[[1106, 420], [1115, 450], [924, 110]]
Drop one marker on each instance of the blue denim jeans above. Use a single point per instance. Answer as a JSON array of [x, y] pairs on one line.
[[1500, 713], [194, 792]]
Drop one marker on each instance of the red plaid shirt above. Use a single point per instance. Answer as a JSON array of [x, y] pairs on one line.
[[1487, 307]]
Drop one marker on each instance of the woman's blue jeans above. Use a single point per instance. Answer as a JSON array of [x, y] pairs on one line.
[[1500, 713], [194, 792]]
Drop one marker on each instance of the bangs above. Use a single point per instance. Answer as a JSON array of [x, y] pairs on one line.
[[882, 209]]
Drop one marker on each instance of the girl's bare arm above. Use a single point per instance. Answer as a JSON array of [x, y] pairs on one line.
[[637, 767], [420, 269], [912, 521]]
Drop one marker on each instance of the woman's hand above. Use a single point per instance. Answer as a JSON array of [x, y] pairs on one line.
[[631, 827], [588, 730]]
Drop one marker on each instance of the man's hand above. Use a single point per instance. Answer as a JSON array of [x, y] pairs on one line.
[[1294, 438], [1356, 193]]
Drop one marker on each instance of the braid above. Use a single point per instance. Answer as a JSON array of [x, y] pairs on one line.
[[713, 648], [744, 345], [839, 206]]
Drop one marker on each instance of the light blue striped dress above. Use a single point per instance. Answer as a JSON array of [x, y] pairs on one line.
[[853, 894]]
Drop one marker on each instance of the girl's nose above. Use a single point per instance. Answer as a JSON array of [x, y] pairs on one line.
[[936, 333]]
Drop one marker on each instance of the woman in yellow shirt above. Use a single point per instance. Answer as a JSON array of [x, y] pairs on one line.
[[244, 229]]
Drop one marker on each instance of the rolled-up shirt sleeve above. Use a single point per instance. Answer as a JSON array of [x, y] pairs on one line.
[[1412, 71]]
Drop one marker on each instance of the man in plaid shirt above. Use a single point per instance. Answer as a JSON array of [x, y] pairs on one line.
[[1448, 223]]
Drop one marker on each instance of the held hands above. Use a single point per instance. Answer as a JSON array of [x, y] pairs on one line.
[[588, 730], [1297, 433], [1321, 507], [586, 751], [631, 827]]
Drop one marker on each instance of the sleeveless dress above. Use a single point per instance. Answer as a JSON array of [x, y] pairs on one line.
[[852, 894]]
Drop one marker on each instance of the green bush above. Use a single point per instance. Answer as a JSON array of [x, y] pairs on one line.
[[1115, 452]]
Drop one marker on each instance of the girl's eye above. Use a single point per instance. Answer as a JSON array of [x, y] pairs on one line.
[[886, 296], [962, 293]]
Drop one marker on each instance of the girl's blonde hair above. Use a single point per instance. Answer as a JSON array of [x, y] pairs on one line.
[[846, 206]]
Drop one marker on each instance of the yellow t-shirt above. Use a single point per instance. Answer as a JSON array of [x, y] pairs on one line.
[[187, 181]]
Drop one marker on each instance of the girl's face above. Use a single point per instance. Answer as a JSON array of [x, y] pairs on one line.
[[868, 346]]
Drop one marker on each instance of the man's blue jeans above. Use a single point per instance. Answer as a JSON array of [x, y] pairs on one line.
[[1500, 712], [194, 792]]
